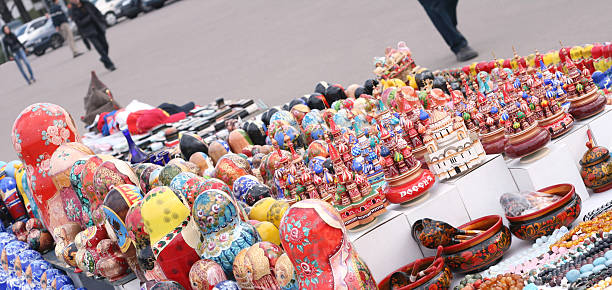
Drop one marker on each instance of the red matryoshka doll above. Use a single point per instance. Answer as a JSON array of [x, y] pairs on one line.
[[116, 205], [230, 167], [314, 237], [88, 189], [87, 244], [205, 274], [37, 132], [66, 198], [112, 173], [112, 263], [166, 220]]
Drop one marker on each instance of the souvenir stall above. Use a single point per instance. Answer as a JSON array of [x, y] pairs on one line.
[[471, 178]]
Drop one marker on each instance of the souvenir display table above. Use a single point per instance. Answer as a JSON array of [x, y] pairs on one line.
[[484, 177]]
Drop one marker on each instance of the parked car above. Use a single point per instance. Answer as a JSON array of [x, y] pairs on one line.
[[149, 4], [131, 8], [111, 9], [40, 34]]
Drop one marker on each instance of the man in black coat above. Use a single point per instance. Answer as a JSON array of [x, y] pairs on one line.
[[91, 24]]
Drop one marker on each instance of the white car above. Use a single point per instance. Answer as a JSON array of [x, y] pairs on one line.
[[111, 9], [40, 34]]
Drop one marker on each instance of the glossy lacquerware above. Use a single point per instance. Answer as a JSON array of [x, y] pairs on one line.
[[313, 236], [526, 142], [584, 107], [410, 185], [481, 251], [596, 169], [557, 124], [167, 221], [439, 278], [493, 142], [37, 132], [543, 222]]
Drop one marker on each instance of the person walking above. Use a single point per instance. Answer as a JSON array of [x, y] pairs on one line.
[[14, 50], [92, 25], [60, 21], [443, 14]]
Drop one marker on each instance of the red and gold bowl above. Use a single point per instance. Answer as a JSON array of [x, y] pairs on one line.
[[493, 142], [481, 251], [439, 278], [410, 185], [526, 142], [543, 222], [584, 107]]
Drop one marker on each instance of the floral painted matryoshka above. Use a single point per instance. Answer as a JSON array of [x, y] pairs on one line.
[[166, 219], [37, 132], [314, 238], [224, 233]]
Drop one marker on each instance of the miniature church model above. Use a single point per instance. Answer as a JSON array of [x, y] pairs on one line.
[[450, 149]]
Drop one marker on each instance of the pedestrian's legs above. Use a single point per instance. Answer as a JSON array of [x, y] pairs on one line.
[[17, 59], [445, 22], [99, 46], [67, 34], [21, 56], [104, 42]]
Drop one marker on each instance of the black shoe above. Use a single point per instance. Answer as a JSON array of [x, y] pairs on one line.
[[466, 53], [77, 54], [111, 67]]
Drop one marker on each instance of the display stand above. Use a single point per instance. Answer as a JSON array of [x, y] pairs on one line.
[[575, 141], [600, 126], [443, 203], [387, 245], [554, 168], [481, 188]]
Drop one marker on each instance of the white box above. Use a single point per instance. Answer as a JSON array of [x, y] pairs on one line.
[[387, 245], [575, 140], [555, 167], [600, 126], [481, 188], [442, 203]]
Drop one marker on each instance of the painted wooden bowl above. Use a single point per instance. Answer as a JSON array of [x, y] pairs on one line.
[[557, 124], [563, 212], [439, 278], [481, 251], [526, 142], [493, 142], [591, 104]]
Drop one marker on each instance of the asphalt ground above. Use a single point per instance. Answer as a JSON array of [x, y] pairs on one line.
[[195, 50]]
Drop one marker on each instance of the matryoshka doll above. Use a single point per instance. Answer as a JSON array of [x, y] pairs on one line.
[[37, 132], [230, 167], [224, 233], [255, 266], [204, 274], [239, 141], [11, 199], [145, 177], [285, 273], [166, 220], [62, 162], [38, 238], [112, 263], [116, 205], [314, 237], [88, 188], [112, 173], [87, 243], [140, 238]]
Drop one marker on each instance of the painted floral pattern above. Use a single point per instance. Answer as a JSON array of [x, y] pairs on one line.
[[56, 134], [296, 233], [310, 271]]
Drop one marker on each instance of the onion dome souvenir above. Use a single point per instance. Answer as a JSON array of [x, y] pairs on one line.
[[230, 167], [254, 266], [112, 173], [224, 233], [167, 220], [112, 263], [116, 205], [239, 140], [204, 274], [37, 132], [191, 143], [62, 161], [312, 231], [582, 94], [596, 171], [203, 162], [11, 199]]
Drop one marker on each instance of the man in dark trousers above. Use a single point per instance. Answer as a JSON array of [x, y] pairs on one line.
[[443, 14], [92, 25], [60, 21]]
